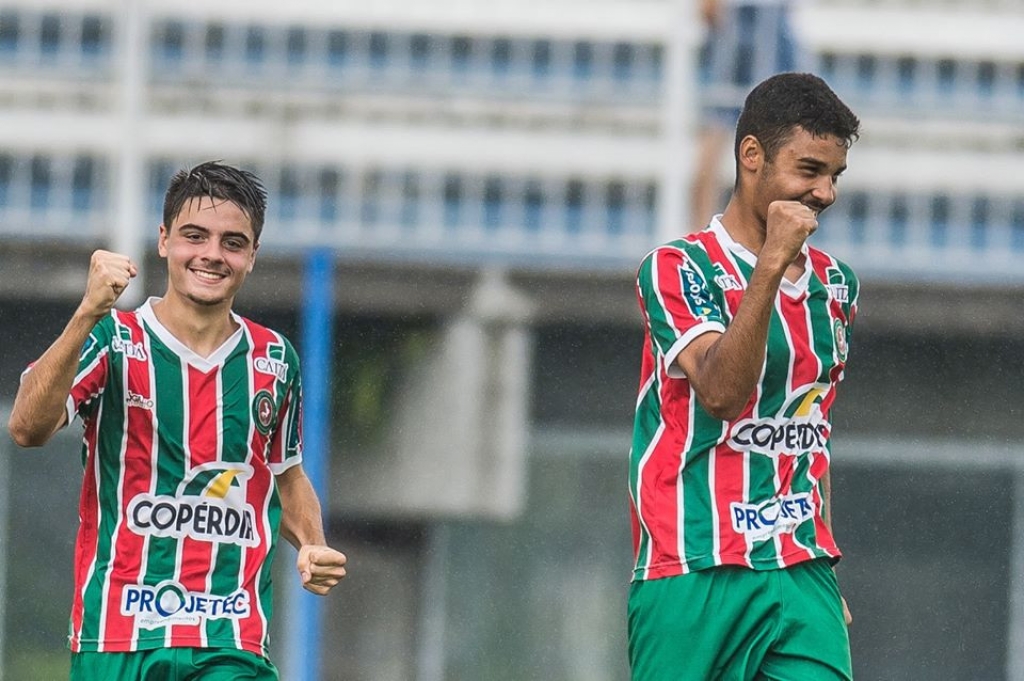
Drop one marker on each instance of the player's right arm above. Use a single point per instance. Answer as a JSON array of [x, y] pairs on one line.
[[40, 405], [723, 368]]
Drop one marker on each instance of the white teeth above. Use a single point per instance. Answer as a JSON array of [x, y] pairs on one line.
[[207, 275]]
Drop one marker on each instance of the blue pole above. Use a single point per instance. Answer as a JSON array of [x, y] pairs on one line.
[[302, 651]]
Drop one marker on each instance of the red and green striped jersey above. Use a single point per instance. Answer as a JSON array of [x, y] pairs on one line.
[[179, 510], [747, 492]]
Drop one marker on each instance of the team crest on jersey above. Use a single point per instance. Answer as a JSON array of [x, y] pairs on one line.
[[209, 505], [839, 333], [170, 603], [263, 409], [837, 285], [273, 363], [726, 281], [800, 427], [695, 293], [123, 344]]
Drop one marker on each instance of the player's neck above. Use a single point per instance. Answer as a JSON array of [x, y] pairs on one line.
[[743, 225], [201, 328], [748, 229]]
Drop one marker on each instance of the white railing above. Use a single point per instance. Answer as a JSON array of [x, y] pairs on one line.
[[936, 237], [888, 62], [400, 193], [75, 44], [576, 222]]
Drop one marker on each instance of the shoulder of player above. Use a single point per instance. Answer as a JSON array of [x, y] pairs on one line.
[[820, 257], [687, 256], [107, 326], [684, 248], [264, 335]]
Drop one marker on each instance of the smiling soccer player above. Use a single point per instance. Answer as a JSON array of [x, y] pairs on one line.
[[192, 451]]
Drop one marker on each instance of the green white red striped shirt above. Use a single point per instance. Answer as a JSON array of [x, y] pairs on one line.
[[179, 510], [747, 492]]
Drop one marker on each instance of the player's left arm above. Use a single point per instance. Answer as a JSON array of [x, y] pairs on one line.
[[320, 567], [826, 481], [826, 493]]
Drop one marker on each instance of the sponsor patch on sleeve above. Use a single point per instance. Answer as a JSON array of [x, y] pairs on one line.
[[695, 294]]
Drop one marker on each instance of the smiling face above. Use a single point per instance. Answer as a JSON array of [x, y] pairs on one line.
[[806, 168], [210, 248]]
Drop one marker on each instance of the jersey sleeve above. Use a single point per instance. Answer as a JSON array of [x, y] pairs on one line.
[[854, 302], [677, 303], [853, 297], [91, 376], [93, 367], [286, 445]]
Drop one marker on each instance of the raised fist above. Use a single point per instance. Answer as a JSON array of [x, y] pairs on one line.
[[789, 225], [109, 275]]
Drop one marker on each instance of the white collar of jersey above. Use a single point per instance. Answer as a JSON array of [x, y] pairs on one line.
[[204, 364], [791, 288]]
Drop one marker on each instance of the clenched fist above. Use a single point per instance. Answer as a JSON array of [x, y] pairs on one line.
[[789, 225], [109, 274], [320, 568]]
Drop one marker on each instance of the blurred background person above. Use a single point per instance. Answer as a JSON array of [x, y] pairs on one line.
[[745, 42]]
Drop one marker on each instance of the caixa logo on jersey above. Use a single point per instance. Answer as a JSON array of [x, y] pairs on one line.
[[273, 363], [800, 428], [210, 505], [779, 515], [837, 285], [123, 344], [726, 281], [171, 603]]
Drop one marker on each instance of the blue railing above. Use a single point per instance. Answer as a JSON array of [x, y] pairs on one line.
[[381, 212], [37, 43], [43, 196], [980, 89], [407, 212], [933, 236]]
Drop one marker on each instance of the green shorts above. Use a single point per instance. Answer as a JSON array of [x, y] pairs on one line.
[[737, 624], [173, 664]]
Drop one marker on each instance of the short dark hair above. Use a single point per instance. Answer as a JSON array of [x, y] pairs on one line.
[[218, 180], [781, 103]]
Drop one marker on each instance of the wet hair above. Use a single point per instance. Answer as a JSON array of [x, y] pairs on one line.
[[219, 181], [780, 104]]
